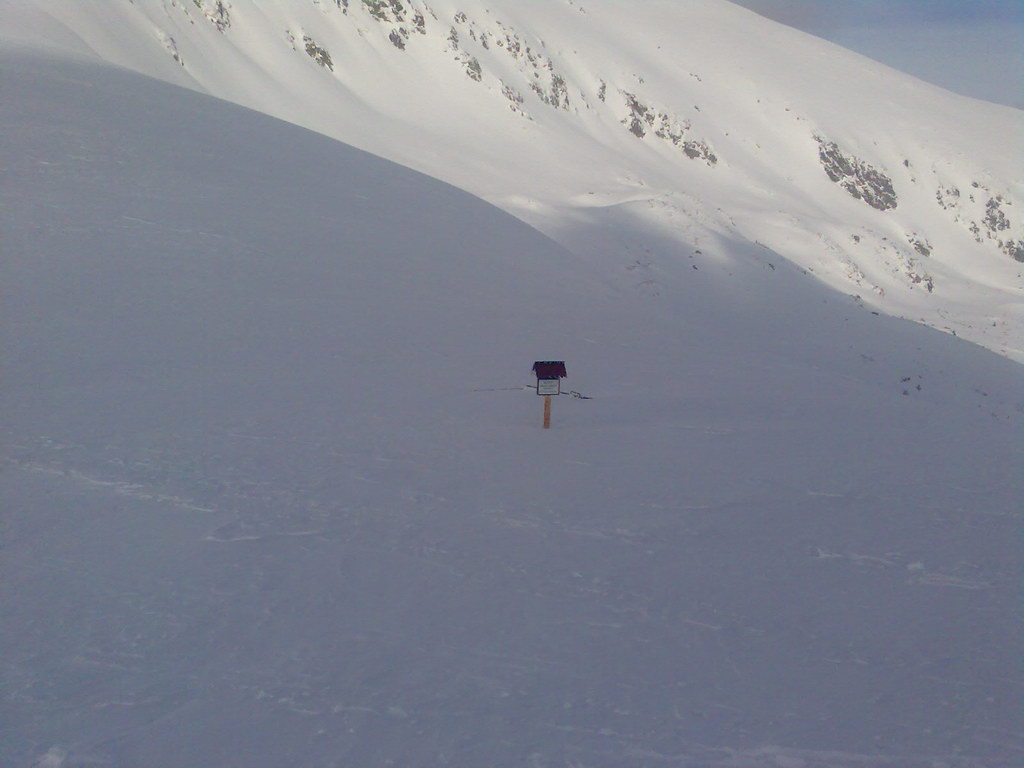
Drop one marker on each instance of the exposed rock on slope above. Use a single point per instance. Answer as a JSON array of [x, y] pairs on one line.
[[857, 177]]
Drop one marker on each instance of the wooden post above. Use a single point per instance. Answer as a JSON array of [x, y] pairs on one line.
[[549, 376]]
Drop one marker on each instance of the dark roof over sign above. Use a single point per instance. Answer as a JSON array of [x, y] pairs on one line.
[[549, 369]]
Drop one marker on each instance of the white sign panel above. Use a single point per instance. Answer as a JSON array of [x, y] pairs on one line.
[[548, 386]]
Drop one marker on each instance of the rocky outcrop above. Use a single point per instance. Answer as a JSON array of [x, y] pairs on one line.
[[171, 46], [997, 226], [318, 54], [858, 178], [920, 244], [642, 120], [400, 18], [986, 216], [217, 13]]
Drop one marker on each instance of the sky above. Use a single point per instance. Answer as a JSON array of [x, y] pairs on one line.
[[973, 47]]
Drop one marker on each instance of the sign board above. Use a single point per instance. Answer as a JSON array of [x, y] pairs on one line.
[[549, 386], [549, 382]]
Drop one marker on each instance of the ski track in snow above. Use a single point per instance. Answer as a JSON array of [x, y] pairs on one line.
[[119, 487]]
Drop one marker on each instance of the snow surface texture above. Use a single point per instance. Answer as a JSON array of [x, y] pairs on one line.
[[631, 132], [275, 495]]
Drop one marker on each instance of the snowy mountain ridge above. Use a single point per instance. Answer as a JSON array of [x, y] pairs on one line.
[[636, 134]]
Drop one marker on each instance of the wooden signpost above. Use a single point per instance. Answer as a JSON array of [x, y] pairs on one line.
[[549, 383]]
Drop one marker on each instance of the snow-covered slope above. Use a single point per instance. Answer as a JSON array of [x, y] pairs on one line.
[[641, 134], [274, 494]]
